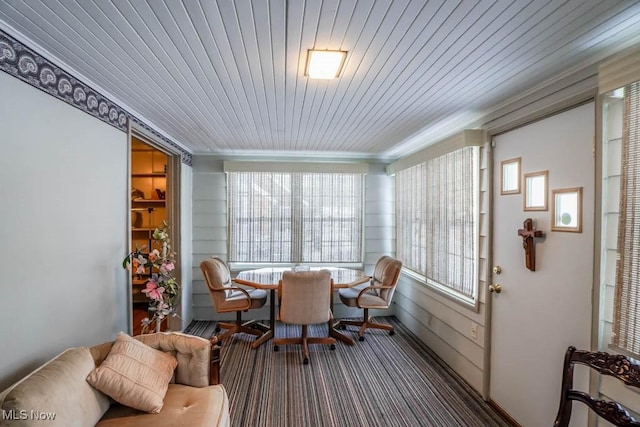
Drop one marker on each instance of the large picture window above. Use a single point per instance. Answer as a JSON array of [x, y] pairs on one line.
[[437, 221], [295, 217]]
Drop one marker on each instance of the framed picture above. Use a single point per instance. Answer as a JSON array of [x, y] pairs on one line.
[[536, 192], [567, 210], [510, 176]]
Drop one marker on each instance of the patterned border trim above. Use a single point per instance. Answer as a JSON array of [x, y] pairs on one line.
[[26, 65]]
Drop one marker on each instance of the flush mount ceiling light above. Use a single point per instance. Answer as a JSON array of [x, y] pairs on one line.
[[324, 64]]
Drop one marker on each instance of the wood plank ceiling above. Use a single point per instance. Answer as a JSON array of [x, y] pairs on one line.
[[228, 76]]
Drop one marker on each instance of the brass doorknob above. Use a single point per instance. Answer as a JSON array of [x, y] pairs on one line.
[[495, 288]]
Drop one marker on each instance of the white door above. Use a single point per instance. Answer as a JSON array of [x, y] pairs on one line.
[[538, 314]]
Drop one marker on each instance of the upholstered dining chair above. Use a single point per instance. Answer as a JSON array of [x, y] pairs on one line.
[[376, 294], [305, 299], [229, 298]]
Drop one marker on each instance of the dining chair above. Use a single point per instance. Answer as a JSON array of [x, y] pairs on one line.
[[616, 366], [228, 298], [305, 299], [376, 294]]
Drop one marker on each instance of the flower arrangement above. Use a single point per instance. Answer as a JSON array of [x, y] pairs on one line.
[[161, 288]]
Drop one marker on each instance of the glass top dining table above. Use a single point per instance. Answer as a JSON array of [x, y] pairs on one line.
[[268, 278]]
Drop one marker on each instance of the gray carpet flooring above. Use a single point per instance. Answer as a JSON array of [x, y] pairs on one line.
[[382, 381]]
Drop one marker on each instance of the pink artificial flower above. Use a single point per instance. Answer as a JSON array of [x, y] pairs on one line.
[[153, 291], [153, 255], [163, 310], [139, 263], [166, 267]]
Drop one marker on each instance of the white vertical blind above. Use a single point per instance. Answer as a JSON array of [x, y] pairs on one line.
[[626, 322], [295, 217], [437, 211]]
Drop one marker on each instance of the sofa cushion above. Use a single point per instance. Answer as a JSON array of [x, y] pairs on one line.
[[58, 387], [183, 405], [134, 374], [193, 354]]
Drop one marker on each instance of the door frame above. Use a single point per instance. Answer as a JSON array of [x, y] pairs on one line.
[[174, 164], [567, 105]]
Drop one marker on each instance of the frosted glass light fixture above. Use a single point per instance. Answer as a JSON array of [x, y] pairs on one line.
[[324, 64]]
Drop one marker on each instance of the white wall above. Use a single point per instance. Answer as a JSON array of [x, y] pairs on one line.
[[63, 193], [210, 230]]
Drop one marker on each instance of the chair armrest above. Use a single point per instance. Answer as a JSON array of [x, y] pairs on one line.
[[243, 283], [368, 288], [237, 288]]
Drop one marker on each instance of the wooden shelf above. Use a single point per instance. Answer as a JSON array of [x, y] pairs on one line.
[[152, 201], [148, 178], [149, 175]]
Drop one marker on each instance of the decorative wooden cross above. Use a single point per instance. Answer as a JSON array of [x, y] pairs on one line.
[[528, 234]]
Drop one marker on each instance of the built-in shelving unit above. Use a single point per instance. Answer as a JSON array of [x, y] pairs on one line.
[[148, 203]]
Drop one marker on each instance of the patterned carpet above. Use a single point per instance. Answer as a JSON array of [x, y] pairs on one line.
[[383, 381]]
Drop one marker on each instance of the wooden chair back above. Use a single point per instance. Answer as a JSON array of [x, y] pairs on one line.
[[613, 365]]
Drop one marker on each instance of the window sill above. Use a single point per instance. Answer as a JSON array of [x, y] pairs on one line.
[[466, 302]]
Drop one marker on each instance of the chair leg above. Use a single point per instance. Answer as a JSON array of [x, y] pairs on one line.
[[305, 345], [238, 327], [367, 323], [231, 328], [304, 340]]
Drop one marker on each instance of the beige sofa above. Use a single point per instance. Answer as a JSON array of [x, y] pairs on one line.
[[59, 389]]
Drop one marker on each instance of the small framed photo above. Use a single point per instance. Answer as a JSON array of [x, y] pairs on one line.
[[567, 210], [510, 176], [536, 192]]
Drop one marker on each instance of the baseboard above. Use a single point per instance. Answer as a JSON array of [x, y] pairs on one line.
[[503, 414]]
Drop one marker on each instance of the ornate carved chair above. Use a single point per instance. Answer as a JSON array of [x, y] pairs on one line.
[[305, 299], [228, 298], [614, 365], [376, 294]]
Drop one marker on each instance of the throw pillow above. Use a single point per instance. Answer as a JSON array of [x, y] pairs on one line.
[[134, 374]]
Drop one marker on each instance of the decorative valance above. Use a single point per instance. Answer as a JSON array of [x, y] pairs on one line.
[[295, 167], [620, 70], [466, 138]]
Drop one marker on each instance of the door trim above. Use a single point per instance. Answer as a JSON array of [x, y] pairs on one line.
[[174, 163]]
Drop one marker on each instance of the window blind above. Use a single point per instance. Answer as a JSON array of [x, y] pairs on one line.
[[626, 322], [411, 212], [437, 220], [283, 217]]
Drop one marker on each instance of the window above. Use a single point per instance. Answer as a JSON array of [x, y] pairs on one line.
[[295, 217], [437, 221], [626, 317]]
